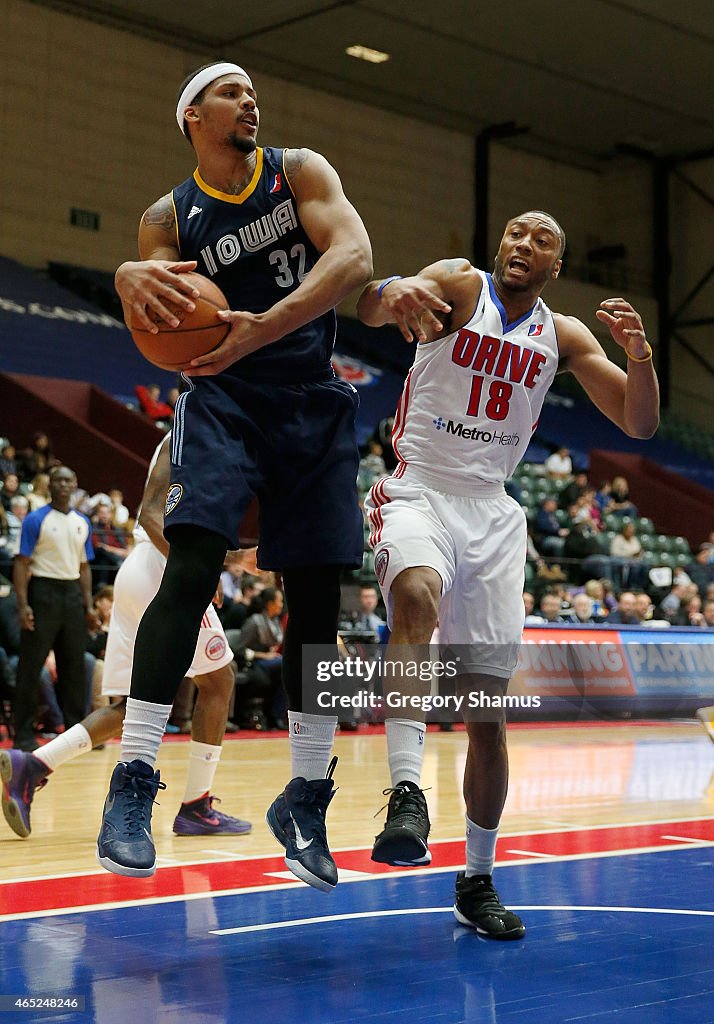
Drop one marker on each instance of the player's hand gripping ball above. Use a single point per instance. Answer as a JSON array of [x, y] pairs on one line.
[[199, 332]]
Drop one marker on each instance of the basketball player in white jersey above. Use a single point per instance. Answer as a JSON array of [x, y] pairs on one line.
[[449, 544], [136, 584]]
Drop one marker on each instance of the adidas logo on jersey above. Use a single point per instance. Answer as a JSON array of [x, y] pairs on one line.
[[475, 433], [194, 211]]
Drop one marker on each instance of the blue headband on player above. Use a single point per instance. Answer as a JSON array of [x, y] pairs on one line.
[[201, 80]]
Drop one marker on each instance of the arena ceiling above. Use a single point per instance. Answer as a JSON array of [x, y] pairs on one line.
[[584, 76]]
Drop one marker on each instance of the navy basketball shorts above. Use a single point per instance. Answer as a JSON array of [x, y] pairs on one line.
[[291, 445]]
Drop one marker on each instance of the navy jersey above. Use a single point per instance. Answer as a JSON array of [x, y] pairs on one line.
[[256, 250]]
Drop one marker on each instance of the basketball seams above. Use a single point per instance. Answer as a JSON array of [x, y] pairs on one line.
[[198, 333], [183, 330]]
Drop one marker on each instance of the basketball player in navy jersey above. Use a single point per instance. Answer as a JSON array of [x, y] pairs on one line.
[[449, 543], [263, 415]]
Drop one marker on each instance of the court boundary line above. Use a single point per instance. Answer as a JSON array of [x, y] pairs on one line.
[[409, 911], [567, 829], [382, 876]]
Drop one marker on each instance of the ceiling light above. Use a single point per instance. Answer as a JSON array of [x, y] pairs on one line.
[[368, 54]]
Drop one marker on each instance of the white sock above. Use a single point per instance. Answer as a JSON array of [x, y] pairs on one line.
[[480, 848], [311, 739], [67, 745], [202, 763], [144, 727], [405, 748]]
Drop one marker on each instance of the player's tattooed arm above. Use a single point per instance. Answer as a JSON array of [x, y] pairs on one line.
[[161, 214], [156, 284], [294, 160], [453, 266]]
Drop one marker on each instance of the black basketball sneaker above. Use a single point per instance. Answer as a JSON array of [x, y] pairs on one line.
[[403, 840]]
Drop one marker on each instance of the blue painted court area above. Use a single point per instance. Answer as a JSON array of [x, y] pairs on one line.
[[401, 958]]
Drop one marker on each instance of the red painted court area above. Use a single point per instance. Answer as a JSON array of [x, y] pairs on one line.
[[100, 889]]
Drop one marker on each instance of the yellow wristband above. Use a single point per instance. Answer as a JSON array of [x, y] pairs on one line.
[[644, 359]]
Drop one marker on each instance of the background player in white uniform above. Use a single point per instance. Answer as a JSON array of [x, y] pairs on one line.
[[136, 584], [449, 544]]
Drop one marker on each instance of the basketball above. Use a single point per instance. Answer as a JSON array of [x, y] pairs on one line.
[[199, 332]]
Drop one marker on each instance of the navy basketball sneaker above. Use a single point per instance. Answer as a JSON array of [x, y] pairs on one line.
[[125, 845], [21, 775], [478, 906], [297, 820], [403, 840]]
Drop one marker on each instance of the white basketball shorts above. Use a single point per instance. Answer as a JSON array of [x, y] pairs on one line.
[[135, 587], [478, 547]]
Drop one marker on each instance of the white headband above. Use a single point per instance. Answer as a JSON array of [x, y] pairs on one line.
[[200, 81]]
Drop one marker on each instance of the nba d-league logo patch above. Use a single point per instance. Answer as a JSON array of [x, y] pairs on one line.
[[173, 497], [381, 564], [215, 648]]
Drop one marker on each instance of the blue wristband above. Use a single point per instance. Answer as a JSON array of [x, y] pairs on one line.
[[383, 285]]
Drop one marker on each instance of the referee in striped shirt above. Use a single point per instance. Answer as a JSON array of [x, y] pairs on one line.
[[53, 584]]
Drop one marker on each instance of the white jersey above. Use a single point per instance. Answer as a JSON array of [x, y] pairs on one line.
[[472, 400], [139, 533]]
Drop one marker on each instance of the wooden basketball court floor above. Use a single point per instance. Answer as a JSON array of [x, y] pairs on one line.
[[606, 851]]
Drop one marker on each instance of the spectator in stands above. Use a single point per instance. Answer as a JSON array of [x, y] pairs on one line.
[[549, 534], [39, 493], [97, 642], [383, 434], [5, 556], [584, 510], [513, 490], [258, 646], [709, 593], [596, 592], [691, 610], [583, 545], [626, 612], [367, 617], [110, 543], [231, 577], [644, 607], [628, 568], [574, 490], [246, 602], [708, 613], [620, 503], [602, 496], [669, 605], [120, 515], [151, 405], [589, 503], [10, 488], [609, 590], [701, 570], [559, 465], [19, 507], [583, 610], [39, 458], [528, 602], [172, 397], [372, 464], [9, 637], [54, 602], [551, 607], [8, 463]]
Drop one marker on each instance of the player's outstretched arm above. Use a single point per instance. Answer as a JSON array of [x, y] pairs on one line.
[[631, 400], [155, 280], [413, 303], [337, 232]]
